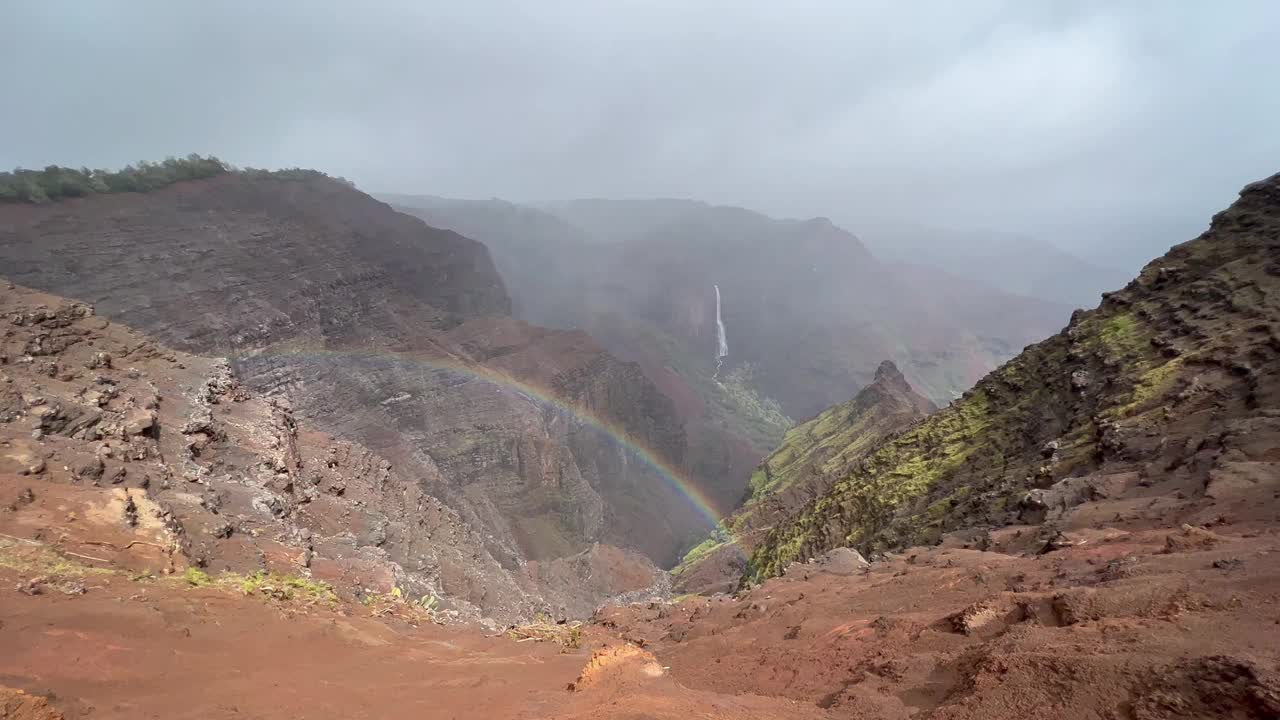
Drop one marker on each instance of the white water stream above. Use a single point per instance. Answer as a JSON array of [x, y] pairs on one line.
[[722, 345]]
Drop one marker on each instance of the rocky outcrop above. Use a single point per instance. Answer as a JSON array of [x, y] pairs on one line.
[[812, 458], [232, 262], [639, 509], [531, 444], [240, 486], [380, 331], [1144, 398], [245, 483]]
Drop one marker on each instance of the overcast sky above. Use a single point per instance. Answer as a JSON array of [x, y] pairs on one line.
[[1104, 127]]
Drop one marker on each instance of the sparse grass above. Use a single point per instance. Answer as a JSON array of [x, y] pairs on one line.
[[758, 415], [1152, 385], [33, 558], [1121, 334], [196, 577], [567, 635], [912, 487], [30, 557], [897, 472], [273, 585], [280, 587], [716, 540], [827, 444], [421, 610]]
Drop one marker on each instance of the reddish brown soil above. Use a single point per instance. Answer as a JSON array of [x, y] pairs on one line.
[[158, 650], [1141, 594], [1146, 623], [1123, 625], [85, 634], [238, 482]]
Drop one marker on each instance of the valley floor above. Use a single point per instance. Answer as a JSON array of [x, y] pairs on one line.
[[1146, 622]]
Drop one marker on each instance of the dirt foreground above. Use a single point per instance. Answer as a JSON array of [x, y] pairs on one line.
[[96, 623], [1179, 622]]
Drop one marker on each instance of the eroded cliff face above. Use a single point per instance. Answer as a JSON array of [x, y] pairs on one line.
[[229, 480], [810, 313], [1167, 391], [546, 479], [383, 332], [237, 261], [232, 480]]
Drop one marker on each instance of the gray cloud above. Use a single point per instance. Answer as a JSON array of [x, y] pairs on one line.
[[1101, 126]]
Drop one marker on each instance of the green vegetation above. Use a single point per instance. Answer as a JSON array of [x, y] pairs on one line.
[[1119, 336], [56, 183], [715, 540], [31, 557], [969, 463], [543, 629], [760, 416], [294, 173], [281, 587], [759, 481], [197, 577], [1152, 385], [859, 509], [275, 585], [819, 445], [826, 446]]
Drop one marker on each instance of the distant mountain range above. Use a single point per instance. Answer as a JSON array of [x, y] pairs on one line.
[[1014, 264], [787, 284], [810, 312]]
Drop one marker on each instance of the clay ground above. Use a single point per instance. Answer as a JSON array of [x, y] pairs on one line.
[[130, 650], [1148, 623], [96, 622], [1116, 627]]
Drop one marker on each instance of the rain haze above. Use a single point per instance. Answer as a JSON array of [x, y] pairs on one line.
[[664, 359], [1109, 129]]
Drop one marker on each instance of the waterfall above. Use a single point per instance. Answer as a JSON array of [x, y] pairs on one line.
[[722, 346]]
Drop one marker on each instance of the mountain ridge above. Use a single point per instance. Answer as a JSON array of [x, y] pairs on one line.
[[1014, 263], [385, 332], [160, 519], [799, 470], [1088, 402], [691, 237]]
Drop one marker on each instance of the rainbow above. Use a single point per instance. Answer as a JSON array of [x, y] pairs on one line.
[[673, 476]]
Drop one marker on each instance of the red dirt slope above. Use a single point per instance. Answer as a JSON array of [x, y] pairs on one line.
[[1155, 624], [93, 625]]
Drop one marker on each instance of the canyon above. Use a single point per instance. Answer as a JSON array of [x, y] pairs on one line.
[[262, 415], [392, 335]]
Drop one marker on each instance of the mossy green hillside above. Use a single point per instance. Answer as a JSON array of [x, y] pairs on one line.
[[1104, 390], [717, 539], [813, 454]]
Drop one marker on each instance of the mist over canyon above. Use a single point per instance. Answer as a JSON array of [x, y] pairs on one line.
[[830, 360]]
